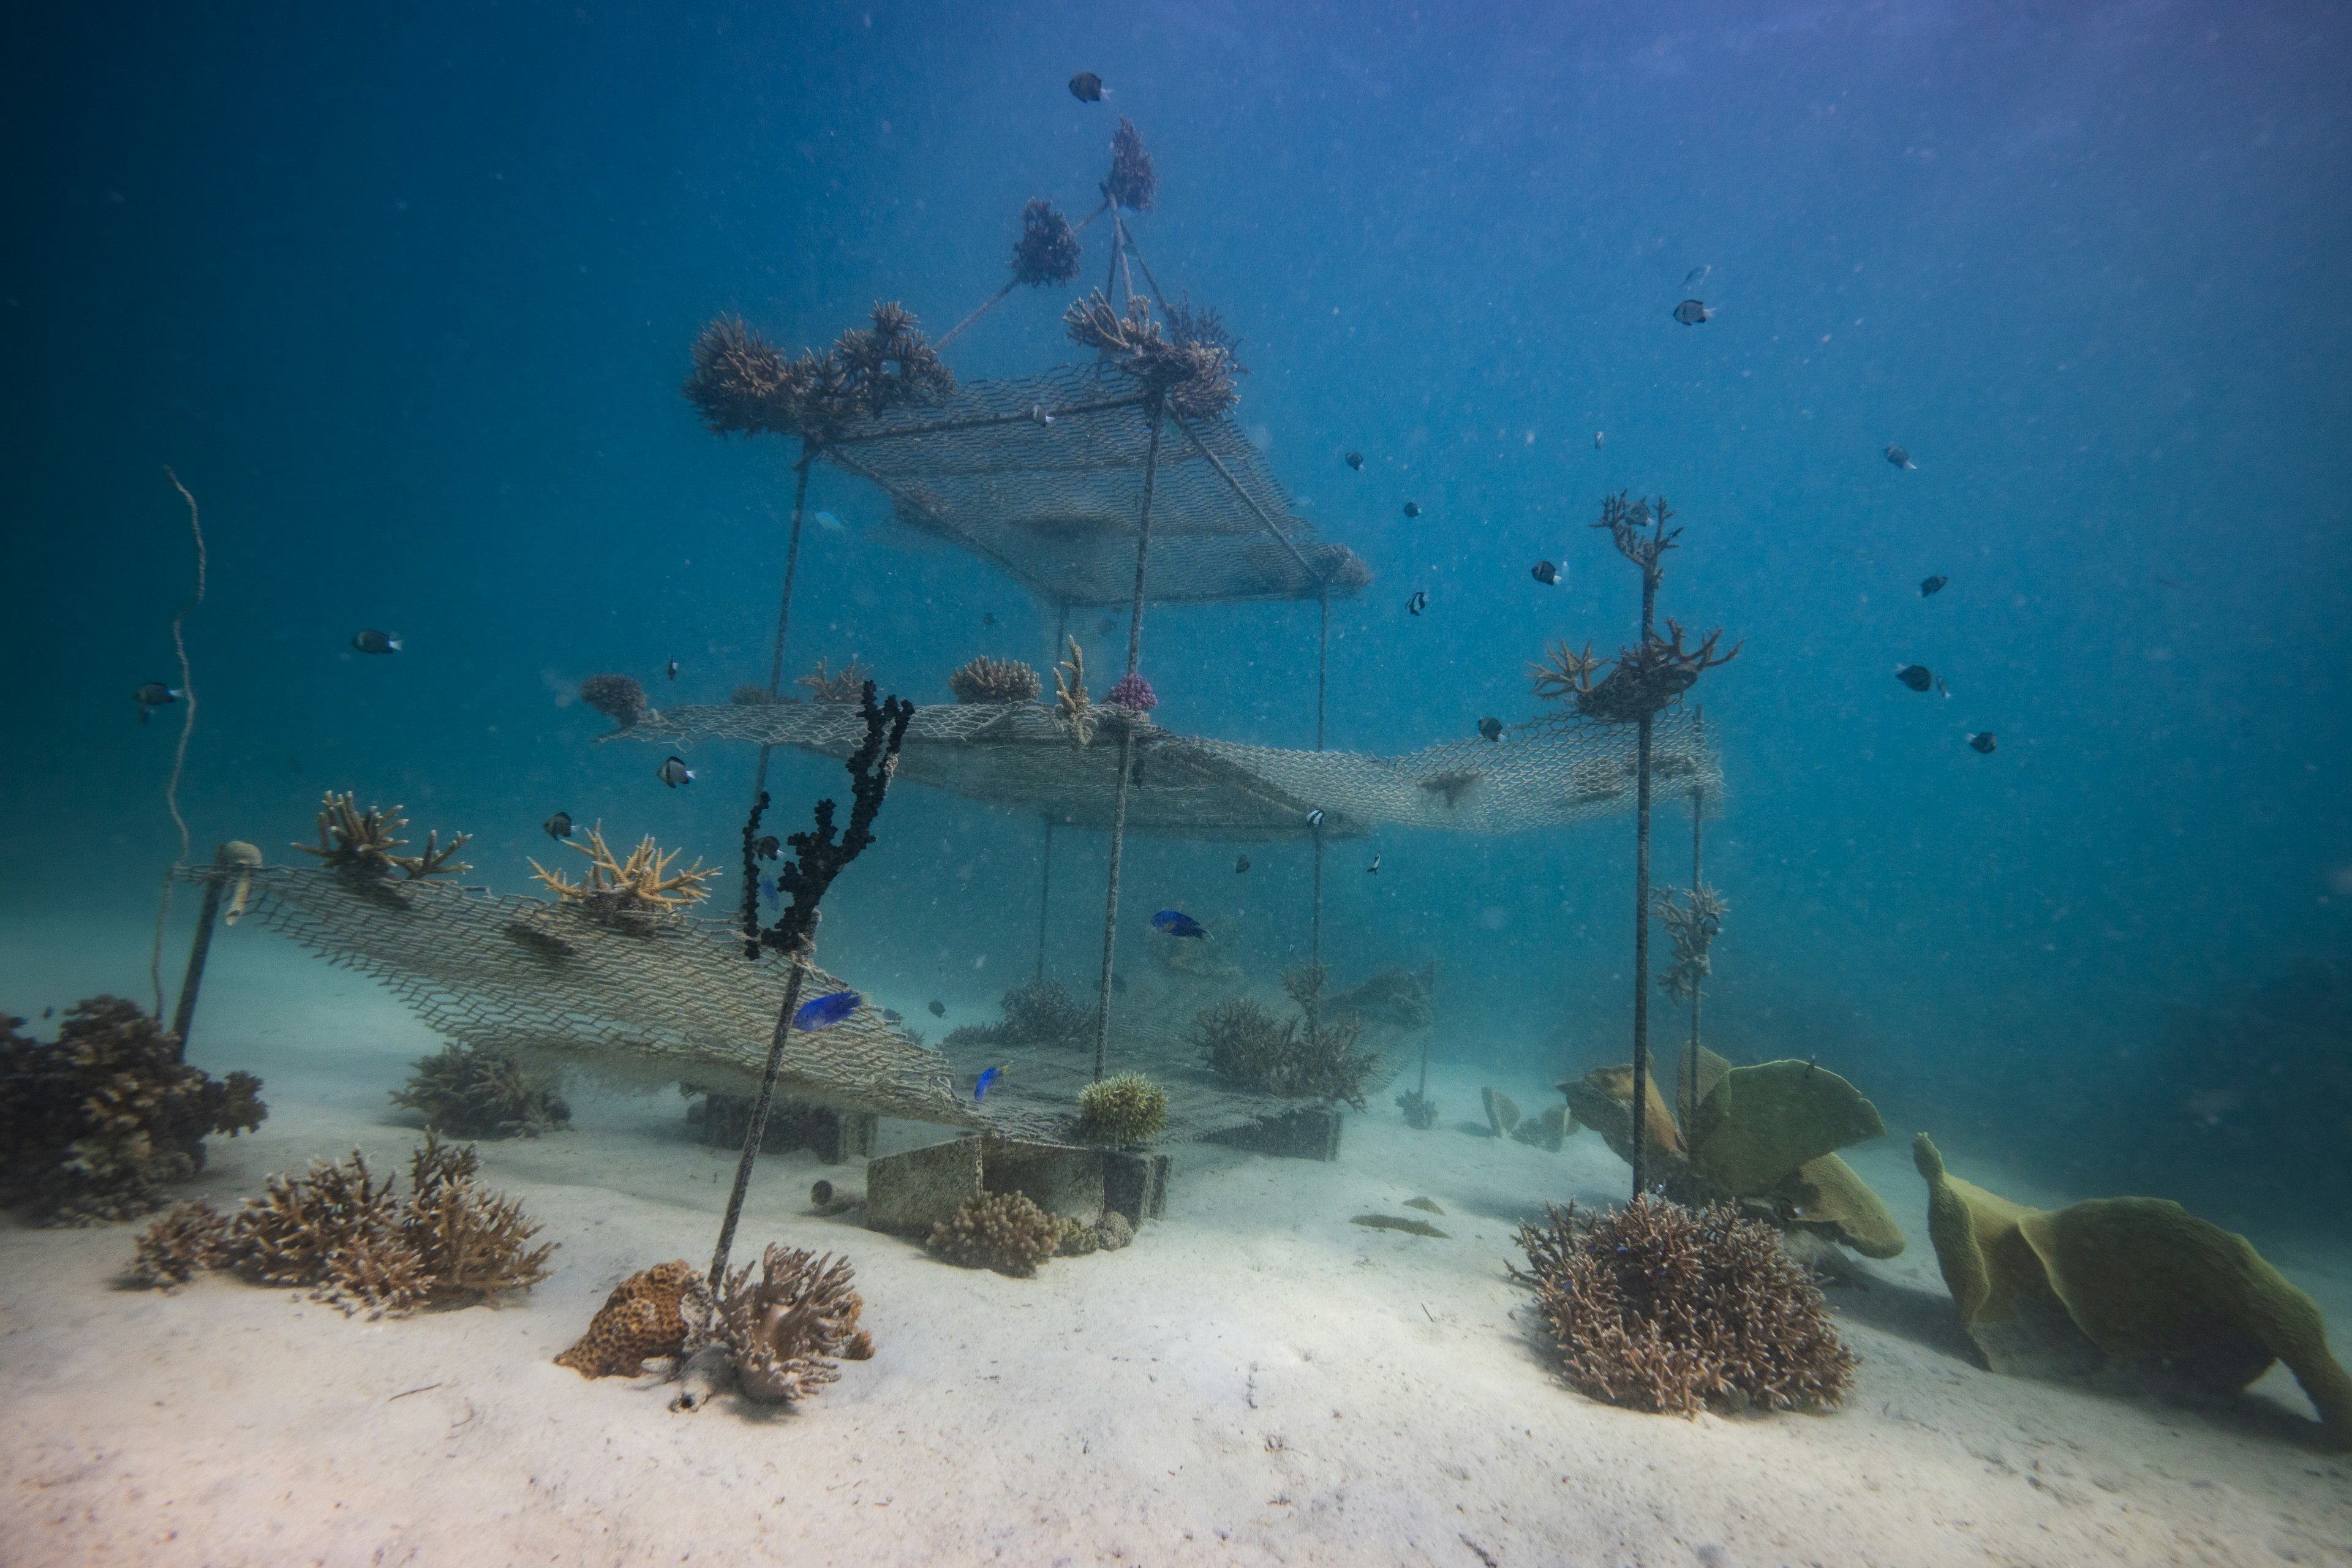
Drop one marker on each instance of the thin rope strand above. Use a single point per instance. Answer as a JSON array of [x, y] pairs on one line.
[[180, 760]]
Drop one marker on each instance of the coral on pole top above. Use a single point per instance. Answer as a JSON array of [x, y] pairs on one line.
[[1133, 692]]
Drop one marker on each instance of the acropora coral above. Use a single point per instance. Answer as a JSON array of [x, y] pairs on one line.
[[1070, 695], [1307, 1058], [617, 697], [1692, 926], [1133, 693], [1420, 1111], [643, 1318], [1662, 1308], [482, 1093], [779, 1334], [1003, 1231], [171, 1251], [99, 1124], [351, 840], [1194, 377], [1126, 1108], [1040, 1011], [628, 893], [742, 384], [1047, 250], [1132, 181], [841, 686], [986, 679]]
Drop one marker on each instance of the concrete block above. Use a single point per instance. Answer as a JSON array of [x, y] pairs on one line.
[[1063, 1178], [1310, 1132], [1136, 1184], [911, 1191]]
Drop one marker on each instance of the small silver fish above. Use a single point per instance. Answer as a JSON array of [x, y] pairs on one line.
[[377, 642], [1600, 439], [1696, 276], [830, 523], [674, 773], [1374, 869]]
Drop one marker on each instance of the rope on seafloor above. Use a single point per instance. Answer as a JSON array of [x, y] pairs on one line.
[[180, 760]]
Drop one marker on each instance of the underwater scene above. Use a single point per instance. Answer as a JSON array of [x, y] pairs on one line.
[[1185, 784]]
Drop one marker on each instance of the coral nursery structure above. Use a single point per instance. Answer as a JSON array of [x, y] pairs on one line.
[[363, 842], [99, 1124]]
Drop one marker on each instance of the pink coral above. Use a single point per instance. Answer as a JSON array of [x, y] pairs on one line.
[[1134, 693]]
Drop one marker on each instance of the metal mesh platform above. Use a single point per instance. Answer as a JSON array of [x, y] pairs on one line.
[[1548, 773]]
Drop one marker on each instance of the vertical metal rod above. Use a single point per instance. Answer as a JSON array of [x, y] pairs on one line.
[[784, 607], [1044, 892], [1699, 848], [1152, 411], [1110, 282], [199, 949], [757, 1132], [1650, 574], [1322, 672]]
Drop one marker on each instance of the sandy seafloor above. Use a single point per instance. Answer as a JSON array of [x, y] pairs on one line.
[[1255, 1381]]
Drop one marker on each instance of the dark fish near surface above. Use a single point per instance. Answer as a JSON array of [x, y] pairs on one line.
[[1917, 677], [1899, 458], [1932, 586], [1412, 508], [825, 1011], [672, 670], [1418, 603], [1356, 460], [1983, 742], [674, 773], [1175, 922], [377, 642], [557, 826], [1545, 572], [939, 1009], [988, 617], [1087, 88], [152, 695], [1692, 312], [1241, 864], [1490, 729]]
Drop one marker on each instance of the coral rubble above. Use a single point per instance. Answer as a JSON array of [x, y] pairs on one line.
[[96, 1125], [632, 894], [1307, 1058], [1126, 1108], [617, 697], [1003, 1231], [780, 1333], [837, 685], [351, 840], [481, 1092], [986, 679], [1047, 250], [1662, 1308], [643, 1318]]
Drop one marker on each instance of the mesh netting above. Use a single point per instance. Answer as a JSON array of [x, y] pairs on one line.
[[1043, 475], [1548, 773]]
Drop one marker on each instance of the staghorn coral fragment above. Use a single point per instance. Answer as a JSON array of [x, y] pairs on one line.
[[1661, 1308], [1133, 182], [351, 840], [643, 1318], [617, 697], [638, 893], [742, 384], [779, 1334], [841, 686], [193, 1236], [1047, 250], [1070, 695], [1191, 374], [1003, 1231], [984, 680]]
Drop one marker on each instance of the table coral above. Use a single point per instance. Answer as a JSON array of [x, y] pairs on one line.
[[1003, 1231], [780, 1333], [99, 1124], [644, 1317]]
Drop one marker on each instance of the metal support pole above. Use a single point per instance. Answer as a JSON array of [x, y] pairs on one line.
[[1153, 410], [1699, 847], [1044, 892], [757, 1132], [784, 607], [1650, 574], [200, 948]]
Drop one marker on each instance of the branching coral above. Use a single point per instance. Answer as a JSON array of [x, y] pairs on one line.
[[986, 679], [1661, 1308], [780, 1333], [96, 1125], [1038, 1011], [1126, 1108], [1643, 680], [473, 1242], [1047, 250], [617, 697], [749, 696], [742, 384], [1562, 671], [644, 1317], [1070, 695], [1132, 182], [841, 686], [1193, 375], [629, 893], [1003, 1231], [193, 1236], [1691, 927], [1307, 1057], [482, 1093], [349, 840]]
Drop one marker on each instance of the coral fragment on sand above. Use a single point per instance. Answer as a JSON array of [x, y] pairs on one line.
[[353, 840], [643, 1318], [172, 1250], [481, 1092], [986, 680], [780, 1333], [1662, 1308], [1003, 1231]]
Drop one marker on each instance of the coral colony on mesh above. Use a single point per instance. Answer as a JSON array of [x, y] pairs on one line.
[[1115, 979]]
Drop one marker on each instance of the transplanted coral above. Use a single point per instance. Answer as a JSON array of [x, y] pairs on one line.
[[1047, 250], [1307, 1057], [984, 680], [742, 384], [780, 1333], [1662, 1308], [639, 892], [193, 1236], [1126, 1108], [1003, 1231], [97, 1124], [845, 684], [617, 697], [353, 840], [644, 1317], [479, 1092], [1039, 1012]]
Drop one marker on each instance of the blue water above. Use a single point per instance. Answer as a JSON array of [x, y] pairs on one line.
[[407, 302]]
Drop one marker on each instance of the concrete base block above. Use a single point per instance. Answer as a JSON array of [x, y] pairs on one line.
[[1136, 1186], [834, 1136], [911, 1191], [1063, 1178], [1310, 1132]]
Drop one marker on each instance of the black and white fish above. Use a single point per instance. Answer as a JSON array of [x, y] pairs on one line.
[[1931, 586], [557, 826], [1315, 818], [152, 695], [1982, 743], [1241, 863], [672, 670], [1037, 413], [377, 642], [1491, 729], [1900, 458], [939, 1009], [1418, 603], [1374, 869], [1545, 572], [1693, 312], [1412, 508], [1917, 677], [1356, 461], [1087, 88], [674, 773]]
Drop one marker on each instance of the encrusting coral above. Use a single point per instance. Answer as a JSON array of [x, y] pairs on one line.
[[617, 697], [1307, 1057], [351, 840], [96, 1125], [340, 1232], [779, 1334], [629, 892], [1003, 1231], [2184, 1303], [479, 1092], [1662, 1308], [1126, 1108], [841, 686], [986, 679], [643, 1318]]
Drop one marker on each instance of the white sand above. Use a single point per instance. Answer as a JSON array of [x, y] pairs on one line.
[[1255, 1381]]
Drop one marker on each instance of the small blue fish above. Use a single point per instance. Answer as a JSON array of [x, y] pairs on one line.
[[980, 1089], [830, 523], [1175, 922], [768, 892], [825, 1011]]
